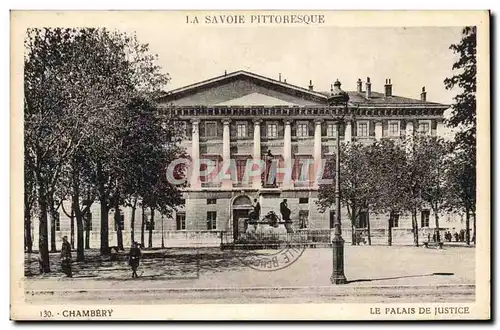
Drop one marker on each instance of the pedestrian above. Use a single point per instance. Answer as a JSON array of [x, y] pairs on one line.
[[456, 236], [134, 258], [66, 257]]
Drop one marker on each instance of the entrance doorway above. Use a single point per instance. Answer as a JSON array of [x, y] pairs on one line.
[[242, 205]]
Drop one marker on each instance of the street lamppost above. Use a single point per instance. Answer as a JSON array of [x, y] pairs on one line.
[[162, 234], [338, 97]]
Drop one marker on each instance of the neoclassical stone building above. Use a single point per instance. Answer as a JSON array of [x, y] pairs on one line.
[[241, 119]]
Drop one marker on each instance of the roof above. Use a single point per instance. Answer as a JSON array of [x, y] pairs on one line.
[[376, 99]]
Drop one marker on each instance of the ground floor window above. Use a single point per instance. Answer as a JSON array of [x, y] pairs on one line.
[[180, 219], [363, 219], [332, 219], [121, 221], [211, 220], [303, 219], [424, 218], [394, 219]]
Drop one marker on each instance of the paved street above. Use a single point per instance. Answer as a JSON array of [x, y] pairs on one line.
[[377, 273]]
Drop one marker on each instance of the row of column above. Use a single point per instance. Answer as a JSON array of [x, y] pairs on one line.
[[287, 145]]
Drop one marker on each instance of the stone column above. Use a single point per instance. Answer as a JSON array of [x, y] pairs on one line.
[[195, 155], [317, 150], [287, 155], [226, 155], [257, 182], [348, 131], [378, 130]]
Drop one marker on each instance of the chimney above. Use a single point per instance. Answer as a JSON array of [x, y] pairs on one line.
[[388, 88], [368, 88], [311, 87], [225, 72], [284, 81], [280, 77], [423, 95], [360, 86]]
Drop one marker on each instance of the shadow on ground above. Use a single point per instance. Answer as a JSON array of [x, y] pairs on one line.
[[155, 264], [398, 277]]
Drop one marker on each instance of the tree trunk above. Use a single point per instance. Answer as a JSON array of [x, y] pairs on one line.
[[53, 218], [72, 228], [415, 226], [132, 222], [119, 235], [474, 236], [143, 224], [28, 242], [467, 226], [438, 236], [369, 232], [353, 234], [104, 228], [389, 230], [43, 242], [87, 234], [151, 222], [104, 213], [80, 250]]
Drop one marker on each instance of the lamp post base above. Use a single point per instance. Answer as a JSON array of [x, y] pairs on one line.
[[338, 276]]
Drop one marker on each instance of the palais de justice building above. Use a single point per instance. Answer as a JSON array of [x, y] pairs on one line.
[[242, 116]]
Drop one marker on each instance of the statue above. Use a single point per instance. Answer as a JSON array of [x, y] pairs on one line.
[[269, 177], [272, 219], [285, 211], [255, 213]]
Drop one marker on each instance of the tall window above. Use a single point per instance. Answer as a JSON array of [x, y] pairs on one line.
[[272, 130], [241, 129], [363, 219], [331, 130], [180, 221], [362, 129], [423, 128], [210, 129], [209, 168], [211, 220], [424, 218], [302, 130], [88, 221], [393, 129], [394, 219], [303, 219], [241, 165], [150, 224], [303, 168], [332, 219]]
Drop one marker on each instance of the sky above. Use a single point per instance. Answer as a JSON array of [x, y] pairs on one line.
[[412, 57]]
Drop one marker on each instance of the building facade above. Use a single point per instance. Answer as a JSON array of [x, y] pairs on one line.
[[243, 119]]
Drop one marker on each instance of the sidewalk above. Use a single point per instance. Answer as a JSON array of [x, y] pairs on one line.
[[365, 266]]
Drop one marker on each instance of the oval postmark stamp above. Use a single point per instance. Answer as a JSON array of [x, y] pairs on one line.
[[272, 260]]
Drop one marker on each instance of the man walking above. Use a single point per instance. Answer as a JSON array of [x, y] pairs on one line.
[[66, 257], [134, 257]]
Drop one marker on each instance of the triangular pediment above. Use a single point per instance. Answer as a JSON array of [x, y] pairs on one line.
[[256, 99], [242, 88]]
